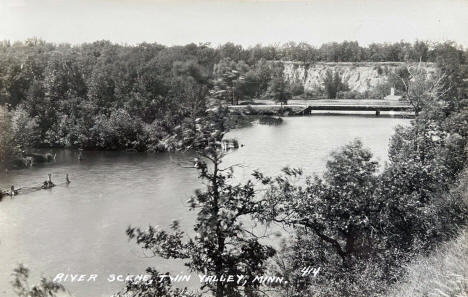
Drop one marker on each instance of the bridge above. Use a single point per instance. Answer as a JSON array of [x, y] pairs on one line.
[[308, 106], [358, 105]]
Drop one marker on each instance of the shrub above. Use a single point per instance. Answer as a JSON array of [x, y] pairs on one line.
[[268, 120], [333, 84]]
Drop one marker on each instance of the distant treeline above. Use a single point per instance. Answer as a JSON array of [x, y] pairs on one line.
[[102, 95]]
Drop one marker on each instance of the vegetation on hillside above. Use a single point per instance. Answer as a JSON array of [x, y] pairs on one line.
[[443, 273]]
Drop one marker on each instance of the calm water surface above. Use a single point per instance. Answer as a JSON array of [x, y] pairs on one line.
[[80, 228]]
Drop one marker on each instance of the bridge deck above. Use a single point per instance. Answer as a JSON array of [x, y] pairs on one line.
[[360, 107], [307, 106], [336, 105]]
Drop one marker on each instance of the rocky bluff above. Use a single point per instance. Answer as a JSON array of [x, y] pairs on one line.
[[359, 76]]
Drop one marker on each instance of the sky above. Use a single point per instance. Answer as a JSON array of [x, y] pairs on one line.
[[245, 22]]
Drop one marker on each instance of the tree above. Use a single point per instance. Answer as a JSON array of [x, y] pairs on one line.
[[46, 288], [278, 88], [333, 84], [118, 131], [420, 51], [8, 148], [25, 129], [158, 285], [229, 82], [222, 244], [190, 85], [422, 89], [263, 72], [450, 60], [415, 188], [337, 208], [336, 223]]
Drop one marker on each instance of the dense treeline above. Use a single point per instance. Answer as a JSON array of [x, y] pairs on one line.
[[108, 96]]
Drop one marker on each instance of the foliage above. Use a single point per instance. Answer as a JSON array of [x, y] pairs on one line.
[[235, 81], [360, 226], [269, 120], [338, 221], [222, 245], [422, 88], [337, 208], [8, 148], [45, 288], [333, 84], [25, 129], [278, 88], [157, 285]]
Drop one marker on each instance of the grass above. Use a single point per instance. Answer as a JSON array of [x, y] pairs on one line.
[[444, 273]]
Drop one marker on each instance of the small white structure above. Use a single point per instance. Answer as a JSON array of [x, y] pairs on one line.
[[392, 95]]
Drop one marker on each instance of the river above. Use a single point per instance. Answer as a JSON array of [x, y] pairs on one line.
[[80, 228]]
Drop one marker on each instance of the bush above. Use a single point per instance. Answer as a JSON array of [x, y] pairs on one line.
[[333, 83], [118, 131], [268, 120]]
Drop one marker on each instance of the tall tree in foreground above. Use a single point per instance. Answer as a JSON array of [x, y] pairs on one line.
[[222, 245]]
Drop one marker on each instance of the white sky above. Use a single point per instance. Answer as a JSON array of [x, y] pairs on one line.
[[246, 22]]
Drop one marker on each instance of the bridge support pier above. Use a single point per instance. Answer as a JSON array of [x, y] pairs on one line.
[[377, 113]]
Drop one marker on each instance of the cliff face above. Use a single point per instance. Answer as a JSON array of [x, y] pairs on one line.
[[360, 77]]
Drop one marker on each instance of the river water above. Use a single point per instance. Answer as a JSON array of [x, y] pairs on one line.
[[80, 228]]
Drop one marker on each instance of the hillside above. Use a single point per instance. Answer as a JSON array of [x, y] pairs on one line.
[[445, 273]]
